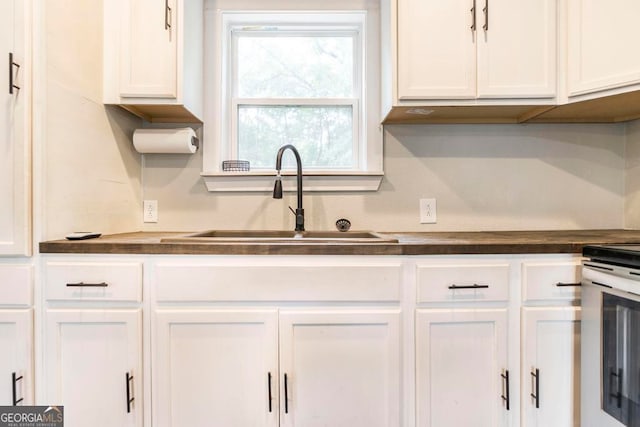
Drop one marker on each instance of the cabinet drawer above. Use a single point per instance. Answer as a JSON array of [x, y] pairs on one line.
[[16, 284], [99, 281], [280, 282], [551, 281], [462, 282]]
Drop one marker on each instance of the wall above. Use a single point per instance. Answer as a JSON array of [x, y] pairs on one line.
[[91, 174], [632, 176], [490, 177], [484, 177]]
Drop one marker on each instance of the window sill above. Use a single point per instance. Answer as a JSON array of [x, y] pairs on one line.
[[263, 181]]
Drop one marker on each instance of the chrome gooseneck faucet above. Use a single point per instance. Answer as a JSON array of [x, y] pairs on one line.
[[277, 188]]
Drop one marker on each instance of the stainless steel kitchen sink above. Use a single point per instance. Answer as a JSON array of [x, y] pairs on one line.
[[280, 236]]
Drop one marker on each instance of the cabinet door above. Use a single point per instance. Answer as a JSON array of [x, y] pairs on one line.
[[16, 359], [215, 368], [148, 48], [89, 355], [461, 357], [436, 49], [516, 48], [340, 369], [551, 351], [14, 132], [602, 43]]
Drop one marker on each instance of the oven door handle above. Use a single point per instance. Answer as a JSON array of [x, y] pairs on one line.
[[598, 267], [600, 284]]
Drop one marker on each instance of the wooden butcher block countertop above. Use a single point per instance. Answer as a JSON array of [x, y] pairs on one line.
[[408, 243]]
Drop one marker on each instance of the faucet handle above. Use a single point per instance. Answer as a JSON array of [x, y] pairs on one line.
[[299, 214]]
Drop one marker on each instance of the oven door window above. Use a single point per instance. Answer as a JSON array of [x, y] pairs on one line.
[[621, 359]]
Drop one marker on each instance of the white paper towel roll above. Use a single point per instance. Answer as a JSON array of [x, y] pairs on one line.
[[167, 141]]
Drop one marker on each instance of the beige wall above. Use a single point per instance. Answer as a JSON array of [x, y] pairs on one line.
[[91, 175], [484, 177], [632, 184], [491, 177]]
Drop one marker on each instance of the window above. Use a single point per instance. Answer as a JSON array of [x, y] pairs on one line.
[[299, 86], [303, 78]]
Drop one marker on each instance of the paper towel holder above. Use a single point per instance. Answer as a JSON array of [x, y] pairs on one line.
[[165, 141]]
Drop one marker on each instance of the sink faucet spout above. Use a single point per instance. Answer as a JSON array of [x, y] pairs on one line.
[[277, 188]]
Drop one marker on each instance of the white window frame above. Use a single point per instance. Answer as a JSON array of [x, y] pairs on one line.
[[220, 104]]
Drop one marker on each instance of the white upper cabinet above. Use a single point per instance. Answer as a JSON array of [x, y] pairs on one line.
[[436, 50], [516, 48], [468, 49], [602, 50], [15, 135], [153, 58], [148, 61]]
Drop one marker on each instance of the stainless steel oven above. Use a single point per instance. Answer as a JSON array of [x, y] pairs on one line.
[[610, 376]]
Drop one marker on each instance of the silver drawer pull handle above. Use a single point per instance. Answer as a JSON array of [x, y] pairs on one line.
[[474, 286], [87, 285]]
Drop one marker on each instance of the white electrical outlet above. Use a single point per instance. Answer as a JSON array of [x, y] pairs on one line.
[[428, 211], [150, 208]]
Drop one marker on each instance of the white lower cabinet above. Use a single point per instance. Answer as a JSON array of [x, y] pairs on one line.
[[340, 368], [481, 319], [221, 367], [16, 334], [215, 367], [276, 341], [94, 366], [551, 366], [340, 341], [16, 372], [93, 341], [462, 377], [550, 342]]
